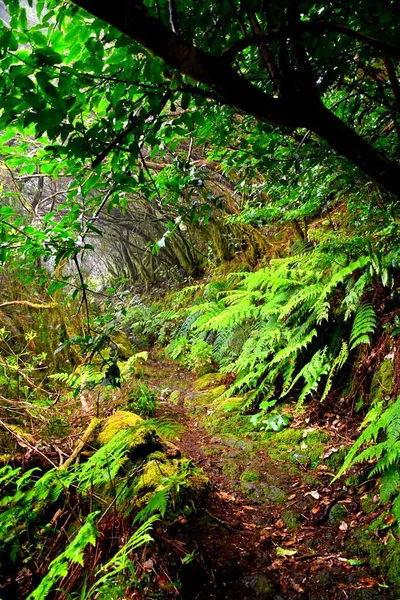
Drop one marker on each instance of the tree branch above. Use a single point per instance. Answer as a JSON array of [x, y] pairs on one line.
[[301, 109], [324, 26]]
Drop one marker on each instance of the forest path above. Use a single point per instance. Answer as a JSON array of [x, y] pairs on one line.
[[267, 529]]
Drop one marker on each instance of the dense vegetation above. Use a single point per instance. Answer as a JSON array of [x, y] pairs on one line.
[[218, 179]]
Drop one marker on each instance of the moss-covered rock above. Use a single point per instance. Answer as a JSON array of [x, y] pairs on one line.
[[337, 513], [163, 466], [186, 484], [304, 446], [383, 557], [174, 397], [208, 380], [153, 473], [335, 460], [230, 469], [121, 340], [121, 420], [205, 398], [291, 519]]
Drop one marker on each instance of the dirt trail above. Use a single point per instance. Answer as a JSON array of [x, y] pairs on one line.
[[266, 530]]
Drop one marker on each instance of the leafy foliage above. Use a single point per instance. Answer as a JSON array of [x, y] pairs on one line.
[[380, 421], [286, 310]]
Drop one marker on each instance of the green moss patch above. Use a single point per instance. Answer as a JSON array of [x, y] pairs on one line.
[[174, 397], [302, 446], [205, 398], [382, 557], [249, 475], [141, 436], [207, 381], [382, 381], [125, 348]]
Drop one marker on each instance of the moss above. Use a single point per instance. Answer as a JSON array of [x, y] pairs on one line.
[[337, 513], [158, 456], [125, 348], [335, 460], [382, 381], [234, 403], [174, 397], [213, 451], [208, 380], [230, 469], [384, 558], [155, 471], [197, 486], [20, 433], [367, 504], [118, 421], [297, 445], [206, 397], [220, 421], [312, 480], [352, 480], [206, 369], [249, 475], [275, 494], [291, 519]]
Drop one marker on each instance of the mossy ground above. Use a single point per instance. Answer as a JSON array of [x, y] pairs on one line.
[[381, 546], [300, 446]]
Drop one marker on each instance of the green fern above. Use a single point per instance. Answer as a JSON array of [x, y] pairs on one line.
[[364, 324], [337, 364], [385, 453]]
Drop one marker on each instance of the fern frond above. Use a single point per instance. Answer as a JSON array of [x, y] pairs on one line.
[[336, 366], [377, 421], [390, 484], [293, 348], [364, 323]]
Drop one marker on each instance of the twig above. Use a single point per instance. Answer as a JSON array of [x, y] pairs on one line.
[[224, 523]]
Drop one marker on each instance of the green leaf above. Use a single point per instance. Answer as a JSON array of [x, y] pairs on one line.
[[285, 552]]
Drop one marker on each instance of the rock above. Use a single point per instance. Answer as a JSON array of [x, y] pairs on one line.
[[238, 444], [301, 458], [174, 397], [160, 474], [116, 422], [121, 340], [252, 490], [262, 584], [208, 380], [273, 493], [206, 397]]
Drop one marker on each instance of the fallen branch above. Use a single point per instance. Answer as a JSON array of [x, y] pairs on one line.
[[30, 304], [86, 436], [24, 442]]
